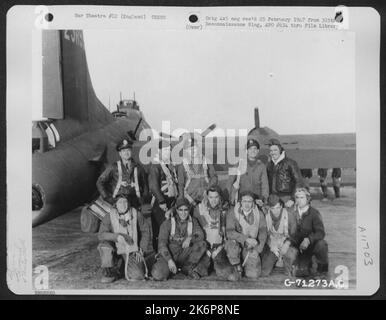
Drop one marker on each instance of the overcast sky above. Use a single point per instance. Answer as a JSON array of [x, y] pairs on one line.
[[301, 82]]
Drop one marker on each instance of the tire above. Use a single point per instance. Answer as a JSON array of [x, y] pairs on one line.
[[88, 222]]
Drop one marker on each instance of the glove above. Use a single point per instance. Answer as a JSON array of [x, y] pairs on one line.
[[146, 210]]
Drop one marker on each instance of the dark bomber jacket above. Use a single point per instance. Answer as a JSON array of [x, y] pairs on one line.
[[284, 177], [309, 226]]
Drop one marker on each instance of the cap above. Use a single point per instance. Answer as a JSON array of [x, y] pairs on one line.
[[248, 193], [124, 144], [273, 200], [253, 142], [182, 202], [274, 142]]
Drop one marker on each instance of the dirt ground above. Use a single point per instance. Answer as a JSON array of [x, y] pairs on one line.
[[73, 261]]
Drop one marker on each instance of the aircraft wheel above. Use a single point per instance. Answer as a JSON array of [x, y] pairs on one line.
[[88, 222]]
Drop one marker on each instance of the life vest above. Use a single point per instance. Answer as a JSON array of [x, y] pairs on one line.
[[191, 175], [131, 229], [250, 230], [120, 182], [277, 237], [173, 227], [213, 226]]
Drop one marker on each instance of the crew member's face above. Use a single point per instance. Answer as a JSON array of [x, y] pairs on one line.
[[213, 199], [301, 199], [125, 154], [276, 209], [122, 205], [183, 212], [252, 152], [247, 203], [274, 152]]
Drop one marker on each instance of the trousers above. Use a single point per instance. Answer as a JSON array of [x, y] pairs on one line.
[[250, 258], [186, 259]]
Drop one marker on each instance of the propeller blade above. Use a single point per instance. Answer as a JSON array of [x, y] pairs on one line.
[[208, 130], [164, 135], [257, 118], [137, 127]]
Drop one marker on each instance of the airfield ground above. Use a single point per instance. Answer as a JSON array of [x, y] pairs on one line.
[[73, 261]]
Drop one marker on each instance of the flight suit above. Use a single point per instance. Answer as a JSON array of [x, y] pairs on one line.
[[253, 177], [163, 187], [213, 222], [108, 181], [280, 232], [110, 251], [310, 225], [194, 180], [170, 247], [239, 227], [134, 186]]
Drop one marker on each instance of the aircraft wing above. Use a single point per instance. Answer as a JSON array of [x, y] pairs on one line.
[[321, 150]]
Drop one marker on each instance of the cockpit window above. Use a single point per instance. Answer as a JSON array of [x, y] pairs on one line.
[[45, 136], [50, 135], [56, 133]]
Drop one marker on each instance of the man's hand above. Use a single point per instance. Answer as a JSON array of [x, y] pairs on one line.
[[127, 238], [305, 244], [259, 202], [186, 243], [275, 251], [284, 248], [138, 257], [250, 243], [289, 204], [225, 205], [119, 238], [172, 266], [163, 207], [168, 214]]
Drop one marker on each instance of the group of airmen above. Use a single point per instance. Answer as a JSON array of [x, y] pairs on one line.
[[175, 219]]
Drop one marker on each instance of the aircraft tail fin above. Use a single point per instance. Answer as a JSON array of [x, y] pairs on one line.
[[67, 89]]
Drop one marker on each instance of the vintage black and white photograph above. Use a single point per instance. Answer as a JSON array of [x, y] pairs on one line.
[[171, 159]]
